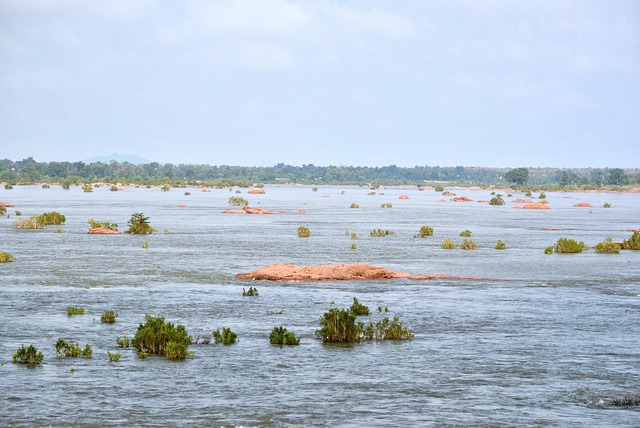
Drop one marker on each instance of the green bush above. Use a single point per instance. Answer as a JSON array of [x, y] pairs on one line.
[[379, 233], [386, 205], [29, 356], [387, 330], [632, 243], [358, 308], [468, 244], [113, 358], [3, 210], [108, 317], [158, 337], [64, 349], [354, 205], [569, 246], [105, 224], [46, 186], [237, 201], [87, 188], [165, 188], [354, 246], [542, 195], [496, 200], [6, 257], [280, 336], [448, 244], [466, 233], [500, 245], [251, 292], [548, 250], [123, 341], [139, 225], [608, 246], [52, 218], [8, 186], [606, 205], [28, 223], [424, 232], [74, 310], [226, 336], [439, 189], [339, 325], [304, 232]]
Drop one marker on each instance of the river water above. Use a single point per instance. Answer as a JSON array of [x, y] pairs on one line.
[[547, 340]]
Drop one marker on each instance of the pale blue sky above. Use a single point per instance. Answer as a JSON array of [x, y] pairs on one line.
[[256, 82]]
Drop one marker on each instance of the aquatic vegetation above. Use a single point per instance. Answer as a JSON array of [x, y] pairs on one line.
[[105, 224], [354, 246], [542, 195], [139, 225], [339, 325], [354, 205], [52, 218], [280, 336], [113, 358], [606, 205], [280, 312], [387, 330], [158, 337], [64, 349], [496, 200], [187, 193], [29, 356], [380, 309], [569, 246], [548, 250], [251, 292], [28, 223], [466, 233], [380, 233], [358, 308], [226, 336], [424, 232], [237, 201], [8, 186], [3, 210], [448, 244], [75, 310], [627, 401], [608, 246], [304, 232], [123, 341], [87, 188], [632, 243], [500, 245], [439, 189], [87, 352], [18, 213], [57, 230], [386, 205], [6, 257], [145, 244], [46, 186], [165, 188], [315, 189], [528, 194], [108, 317], [468, 244]]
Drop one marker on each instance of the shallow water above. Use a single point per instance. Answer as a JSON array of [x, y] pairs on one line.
[[548, 340]]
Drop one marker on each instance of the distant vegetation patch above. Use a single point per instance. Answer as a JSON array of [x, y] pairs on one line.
[[105, 224], [632, 243], [226, 336], [280, 336], [448, 244], [158, 337], [75, 310], [304, 232], [608, 246], [569, 246], [380, 233], [424, 232], [466, 233], [500, 245], [108, 317], [139, 225], [29, 356], [251, 292], [6, 257]]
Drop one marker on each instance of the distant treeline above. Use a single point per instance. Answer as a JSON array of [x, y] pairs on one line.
[[30, 171]]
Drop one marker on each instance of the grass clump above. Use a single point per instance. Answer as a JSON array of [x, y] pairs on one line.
[[158, 337], [113, 189], [380, 233], [354, 205], [3, 210], [386, 205], [358, 308], [500, 245], [632, 243], [64, 349], [608, 246], [424, 232], [6, 257], [388, 330], [113, 358], [280, 336], [354, 246], [466, 233], [448, 244], [105, 224], [340, 325], [108, 317], [237, 201], [468, 244], [304, 232], [29, 356], [139, 225], [251, 292], [75, 310], [226, 336], [569, 246], [123, 341]]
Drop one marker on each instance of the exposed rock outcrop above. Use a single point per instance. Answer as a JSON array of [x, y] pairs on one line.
[[256, 192], [336, 272], [3, 204], [536, 206], [248, 210], [403, 197], [583, 204], [103, 231], [461, 199]]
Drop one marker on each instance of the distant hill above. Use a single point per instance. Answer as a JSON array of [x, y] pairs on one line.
[[137, 160]]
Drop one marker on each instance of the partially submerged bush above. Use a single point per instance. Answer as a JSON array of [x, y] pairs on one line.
[[108, 317], [379, 233], [28, 223], [75, 310], [354, 205], [64, 349], [105, 224], [500, 245], [280, 336], [161, 338], [358, 308], [496, 200], [424, 232], [251, 292], [3, 210], [6, 257], [627, 401], [123, 341], [448, 244], [339, 325], [113, 358], [304, 232], [52, 218], [606, 205], [608, 246], [165, 188], [139, 225], [226, 336], [468, 244], [87, 188], [466, 233], [386, 205], [113, 189], [387, 330], [569, 246], [548, 250], [238, 201], [439, 189], [29, 356], [632, 243]]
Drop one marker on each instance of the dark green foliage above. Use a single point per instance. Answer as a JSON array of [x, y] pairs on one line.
[[87, 351], [108, 317], [280, 336], [123, 342], [379, 233], [64, 349], [569, 246], [608, 247], [542, 195], [466, 233], [113, 189], [51, 218], [238, 201], [226, 336], [113, 358], [73, 310], [500, 245], [517, 176], [158, 337], [632, 243], [389, 330], [8, 186], [424, 232], [496, 200], [95, 224], [251, 292], [468, 244], [358, 308], [339, 325], [6, 257], [139, 225], [29, 356], [304, 232]]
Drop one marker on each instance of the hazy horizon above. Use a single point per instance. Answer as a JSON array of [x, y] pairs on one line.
[[490, 83]]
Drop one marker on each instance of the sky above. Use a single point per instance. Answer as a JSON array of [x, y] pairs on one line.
[[496, 83]]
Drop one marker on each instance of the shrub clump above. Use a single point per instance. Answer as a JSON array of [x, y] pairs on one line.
[[139, 225], [606, 205], [466, 233], [113, 358], [251, 292], [226, 336], [280, 336], [448, 244], [569, 246], [500, 245], [158, 337], [354, 205], [6, 257], [386, 205], [379, 233], [340, 325], [87, 188], [304, 232], [496, 200], [123, 341], [237, 201], [28, 223], [358, 308], [468, 244], [608, 246], [108, 317], [105, 224], [388, 330], [64, 349], [424, 232], [439, 189], [632, 243], [75, 310], [29, 356], [548, 250]]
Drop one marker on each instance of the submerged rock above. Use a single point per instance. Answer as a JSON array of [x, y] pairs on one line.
[[248, 210], [583, 204], [103, 231]]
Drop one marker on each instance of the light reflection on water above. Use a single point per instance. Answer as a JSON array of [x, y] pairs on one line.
[[548, 340]]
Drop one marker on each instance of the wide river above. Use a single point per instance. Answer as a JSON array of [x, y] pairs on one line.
[[548, 340]]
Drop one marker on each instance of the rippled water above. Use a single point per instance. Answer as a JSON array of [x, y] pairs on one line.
[[548, 340]]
